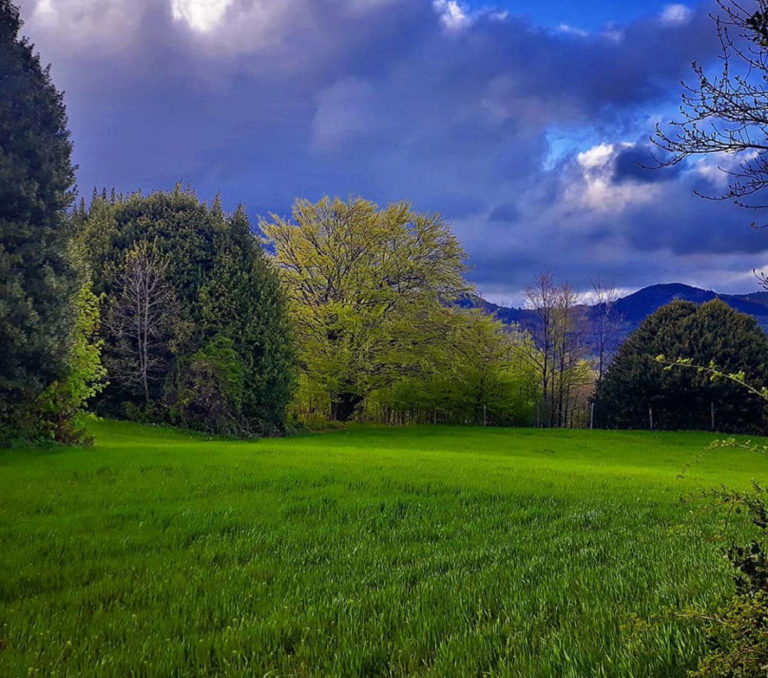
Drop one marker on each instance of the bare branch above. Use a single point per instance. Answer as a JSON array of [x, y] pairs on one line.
[[727, 113], [141, 316]]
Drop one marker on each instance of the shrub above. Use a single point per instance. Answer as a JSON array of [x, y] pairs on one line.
[[737, 636], [60, 407], [210, 392]]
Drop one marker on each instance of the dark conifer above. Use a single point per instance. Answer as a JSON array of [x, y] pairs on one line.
[[37, 283], [637, 389], [230, 317]]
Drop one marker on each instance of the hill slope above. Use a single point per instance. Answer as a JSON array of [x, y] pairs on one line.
[[635, 307]]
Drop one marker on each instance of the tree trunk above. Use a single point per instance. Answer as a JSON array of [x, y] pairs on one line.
[[346, 405]]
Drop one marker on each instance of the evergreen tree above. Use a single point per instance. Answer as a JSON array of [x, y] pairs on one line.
[[242, 300], [227, 361], [637, 388], [37, 282]]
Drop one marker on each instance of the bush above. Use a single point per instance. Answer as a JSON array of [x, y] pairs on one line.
[[738, 640], [210, 392], [737, 636], [60, 407]]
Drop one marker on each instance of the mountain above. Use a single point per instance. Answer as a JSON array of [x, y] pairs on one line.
[[636, 307]]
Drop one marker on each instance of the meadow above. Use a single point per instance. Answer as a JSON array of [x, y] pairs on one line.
[[369, 551]]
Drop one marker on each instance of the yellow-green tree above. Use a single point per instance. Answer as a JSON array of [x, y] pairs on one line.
[[61, 406], [367, 289], [480, 373]]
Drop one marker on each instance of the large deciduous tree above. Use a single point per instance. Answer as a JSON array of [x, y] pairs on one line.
[[37, 283], [366, 286], [638, 391]]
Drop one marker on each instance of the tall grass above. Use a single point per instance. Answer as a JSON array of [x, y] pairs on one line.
[[373, 551]]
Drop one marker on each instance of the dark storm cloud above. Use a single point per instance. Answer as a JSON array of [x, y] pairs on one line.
[[390, 99], [638, 163], [626, 231]]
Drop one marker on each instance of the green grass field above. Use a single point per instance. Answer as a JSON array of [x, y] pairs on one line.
[[372, 551]]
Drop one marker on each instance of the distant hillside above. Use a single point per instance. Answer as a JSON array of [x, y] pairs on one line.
[[635, 307]]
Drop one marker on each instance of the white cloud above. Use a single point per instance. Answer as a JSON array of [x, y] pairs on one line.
[[596, 189], [718, 167], [200, 15], [675, 14], [596, 157], [453, 16], [572, 30], [219, 27], [255, 27], [107, 25]]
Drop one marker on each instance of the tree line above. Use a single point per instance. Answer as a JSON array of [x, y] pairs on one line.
[[164, 308]]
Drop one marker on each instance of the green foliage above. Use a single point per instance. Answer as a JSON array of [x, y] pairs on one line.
[[37, 281], [211, 389], [758, 24], [737, 635], [368, 289], [62, 404], [365, 287], [445, 551], [222, 287], [712, 334], [738, 640], [243, 300], [476, 373]]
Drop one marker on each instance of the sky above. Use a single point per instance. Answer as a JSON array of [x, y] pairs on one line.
[[525, 123]]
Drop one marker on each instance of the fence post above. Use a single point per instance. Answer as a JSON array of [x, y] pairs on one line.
[[712, 414], [650, 416], [592, 415]]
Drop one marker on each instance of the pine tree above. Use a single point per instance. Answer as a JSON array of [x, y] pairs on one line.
[[37, 282]]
